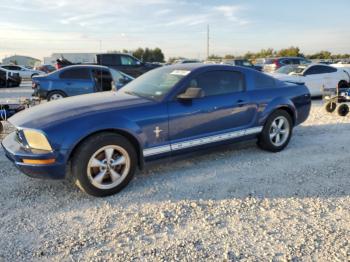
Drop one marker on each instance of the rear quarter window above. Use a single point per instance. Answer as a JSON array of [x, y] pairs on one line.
[[263, 81]]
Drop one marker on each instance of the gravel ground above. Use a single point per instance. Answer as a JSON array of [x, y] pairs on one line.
[[235, 204]]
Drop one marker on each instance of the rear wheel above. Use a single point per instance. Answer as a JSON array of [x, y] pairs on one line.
[[330, 106], [276, 132], [343, 109], [55, 95], [104, 164]]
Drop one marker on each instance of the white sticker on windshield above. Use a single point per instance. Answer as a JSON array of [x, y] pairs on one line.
[[180, 72]]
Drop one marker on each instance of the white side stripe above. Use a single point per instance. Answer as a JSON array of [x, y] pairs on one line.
[[156, 150], [201, 141]]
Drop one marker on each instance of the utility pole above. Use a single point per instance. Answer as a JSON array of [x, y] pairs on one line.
[[207, 41]]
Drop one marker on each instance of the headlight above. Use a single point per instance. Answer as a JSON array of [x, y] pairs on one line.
[[36, 140]]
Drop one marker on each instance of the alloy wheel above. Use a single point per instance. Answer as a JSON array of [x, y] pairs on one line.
[[279, 131], [108, 166]]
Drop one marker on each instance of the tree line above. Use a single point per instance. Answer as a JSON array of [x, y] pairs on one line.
[[145, 54], [291, 51], [157, 55]]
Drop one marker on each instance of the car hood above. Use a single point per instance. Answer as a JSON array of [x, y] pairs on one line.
[[41, 116]]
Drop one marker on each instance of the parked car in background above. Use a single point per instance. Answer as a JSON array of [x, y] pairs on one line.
[[22, 71], [186, 61], [242, 62], [317, 77], [102, 139], [122, 62], [45, 68], [9, 78], [272, 64], [77, 80], [125, 63], [62, 62]]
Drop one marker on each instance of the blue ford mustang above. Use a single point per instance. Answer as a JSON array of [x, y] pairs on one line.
[[100, 139]]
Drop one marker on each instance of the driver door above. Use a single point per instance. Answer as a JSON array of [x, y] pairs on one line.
[[225, 107]]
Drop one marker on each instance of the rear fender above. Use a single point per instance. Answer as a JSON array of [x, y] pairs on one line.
[[278, 103]]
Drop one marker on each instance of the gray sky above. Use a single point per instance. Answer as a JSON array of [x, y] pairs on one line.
[[40, 27]]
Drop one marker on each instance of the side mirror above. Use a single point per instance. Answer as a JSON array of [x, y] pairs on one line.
[[191, 93]]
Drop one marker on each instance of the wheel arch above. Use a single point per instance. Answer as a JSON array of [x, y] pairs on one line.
[[49, 92], [283, 104], [289, 111], [131, 138]]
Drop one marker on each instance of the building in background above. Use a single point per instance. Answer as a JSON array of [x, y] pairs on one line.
[[20, 60], [72, 57]]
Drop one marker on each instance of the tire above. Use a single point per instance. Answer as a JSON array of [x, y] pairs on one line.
[[330, 106], [1, 127], [55, 95], [268, 139], [96, 178], [342, 109]]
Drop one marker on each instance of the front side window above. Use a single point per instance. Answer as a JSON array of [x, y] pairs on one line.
[[75, 73], [128, 60], [155, 84], [103, 79], [219, 82]]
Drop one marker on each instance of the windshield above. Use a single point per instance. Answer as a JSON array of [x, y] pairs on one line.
[[288, 69], [155, 84]]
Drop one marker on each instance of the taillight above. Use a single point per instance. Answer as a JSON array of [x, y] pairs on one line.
[[276, 63]]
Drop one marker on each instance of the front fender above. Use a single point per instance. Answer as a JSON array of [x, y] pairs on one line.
[[76, 131], [275, 104]]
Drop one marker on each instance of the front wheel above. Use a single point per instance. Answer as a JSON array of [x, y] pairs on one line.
[[104, 164], [276, 132]]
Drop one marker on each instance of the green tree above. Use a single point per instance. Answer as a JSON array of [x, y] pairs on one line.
[[321, 55], [138, 53], [291, 51], [158, 55], [214, 57], [228, 56]]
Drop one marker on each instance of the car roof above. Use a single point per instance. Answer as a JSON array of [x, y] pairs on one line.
[[195, 66], [86, 66]]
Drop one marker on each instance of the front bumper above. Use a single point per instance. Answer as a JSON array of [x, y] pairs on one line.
[[16, 153]]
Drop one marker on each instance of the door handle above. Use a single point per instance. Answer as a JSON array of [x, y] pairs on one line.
[[69, 83]]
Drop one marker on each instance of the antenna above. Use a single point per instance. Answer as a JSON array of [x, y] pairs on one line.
[[208, 41]]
